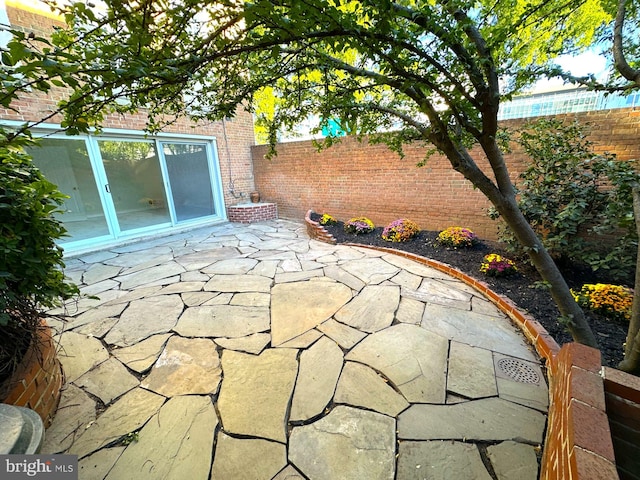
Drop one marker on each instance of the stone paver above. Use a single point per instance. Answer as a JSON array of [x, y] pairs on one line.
[[185, 366], [355, 444], [171, 444], [322, 362]]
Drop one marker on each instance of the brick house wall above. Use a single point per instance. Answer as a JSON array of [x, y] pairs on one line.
[[234, 137], [352, 178]]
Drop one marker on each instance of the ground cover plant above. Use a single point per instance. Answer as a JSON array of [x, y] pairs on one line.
[[523, 287]]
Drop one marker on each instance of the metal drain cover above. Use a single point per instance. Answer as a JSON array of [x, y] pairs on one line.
[[519, 371]]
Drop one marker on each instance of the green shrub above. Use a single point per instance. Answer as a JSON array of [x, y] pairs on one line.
[[30, 261], [457, 237], [359, 225], [579, 202]]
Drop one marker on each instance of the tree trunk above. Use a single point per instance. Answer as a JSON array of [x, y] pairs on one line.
[[571, 313], [631, 361]]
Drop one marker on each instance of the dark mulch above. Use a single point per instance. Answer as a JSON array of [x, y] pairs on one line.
[[520, 288]]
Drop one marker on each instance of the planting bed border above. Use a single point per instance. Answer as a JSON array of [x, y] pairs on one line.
[[578, 441]]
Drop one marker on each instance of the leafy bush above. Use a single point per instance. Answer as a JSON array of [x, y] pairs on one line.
[[457, 237], [579, 202], [400, 231], [359, 225], [31, 263], [611, 301], [327, 219], [495, 265]]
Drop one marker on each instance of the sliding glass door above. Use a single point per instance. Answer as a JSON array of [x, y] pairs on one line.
[[189, 180], [124, 187], [134, 182]]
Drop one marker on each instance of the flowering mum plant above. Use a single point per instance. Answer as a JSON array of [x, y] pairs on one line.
[[359, 225], [457, 237], [400, 231], [327, 219], [496, 265], [611, 301]]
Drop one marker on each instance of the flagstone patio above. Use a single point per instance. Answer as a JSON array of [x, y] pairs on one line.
[[252, 352]]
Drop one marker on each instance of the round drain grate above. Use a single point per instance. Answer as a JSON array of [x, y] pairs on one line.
[[519, 371]]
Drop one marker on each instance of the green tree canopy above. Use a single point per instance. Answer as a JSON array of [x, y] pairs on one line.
[[400, 71]]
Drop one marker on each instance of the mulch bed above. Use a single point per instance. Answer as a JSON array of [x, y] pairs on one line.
[[520, 288]]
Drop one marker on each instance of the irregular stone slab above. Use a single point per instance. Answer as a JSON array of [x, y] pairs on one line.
[[342, 276], [231, 266], [182, 287], [513, 461], [98, 288], [415, 267], [251, 299], [149, 275], [96, 466], [320, 368], [290, 265], [76, 411], [302, 341], [372, 310], [442, 460], [487, 419], [298, 307], [199, 260], [289, 473], [144, 318], [222, 321], [434, 291], [360, 386], [238, 283], [342, 334], [97, 257], [527, 391], [495, 333], [371, 271], [194, 276], [219, 299], [471, 372], [136, 294], [97, 329], [412, 358], [410, 311], [348, 444], [173, 445], [483, 306], [186, 366], [165, 281], [247, 458], [108, 380], [256, 391], [98, 272], [265, 268], [254, 343], [406, 279], [126, 415], [287, 277], [141, 356], [194, 299], [95, 314], [79, 354]]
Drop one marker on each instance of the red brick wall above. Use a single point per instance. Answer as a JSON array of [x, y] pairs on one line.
[[234, 137], [352, 178]]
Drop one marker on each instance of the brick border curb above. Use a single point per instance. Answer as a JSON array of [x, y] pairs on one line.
[[317, 231]]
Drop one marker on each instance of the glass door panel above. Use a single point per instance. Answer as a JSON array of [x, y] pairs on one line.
[[135, 183], [66, 163], [190, 180]]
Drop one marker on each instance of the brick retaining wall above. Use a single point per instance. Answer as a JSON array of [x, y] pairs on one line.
[[356, 178], [37, 382], [252, 212]]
